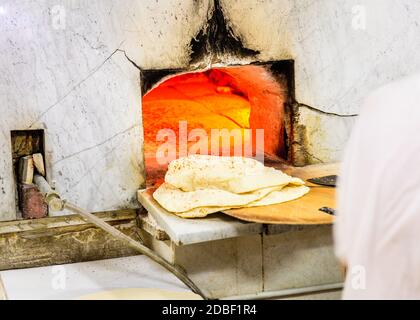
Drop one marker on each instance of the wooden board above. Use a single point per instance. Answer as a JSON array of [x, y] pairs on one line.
[[66, 239], [304, 210], [44, 224]]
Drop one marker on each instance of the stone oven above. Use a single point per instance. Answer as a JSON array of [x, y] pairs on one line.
[[73, 58], [88, 85]]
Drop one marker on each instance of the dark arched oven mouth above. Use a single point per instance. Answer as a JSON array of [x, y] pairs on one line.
[[236, 100]]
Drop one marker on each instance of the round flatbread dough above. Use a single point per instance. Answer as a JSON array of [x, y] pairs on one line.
[[141, 294]]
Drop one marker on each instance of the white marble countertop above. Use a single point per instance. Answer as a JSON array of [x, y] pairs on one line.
[[188, 231], [71, 281]]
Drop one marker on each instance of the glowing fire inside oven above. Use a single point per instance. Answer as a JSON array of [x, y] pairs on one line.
[[237, 100]]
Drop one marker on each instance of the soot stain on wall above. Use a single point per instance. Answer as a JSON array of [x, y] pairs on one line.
[[217, 39]]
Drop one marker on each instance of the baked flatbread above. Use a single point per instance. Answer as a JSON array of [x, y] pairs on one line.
[[198, 185], [141, 294], [176, 200], [233, 174], [286, 194]]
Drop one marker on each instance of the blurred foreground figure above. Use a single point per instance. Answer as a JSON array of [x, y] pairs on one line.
[[377, 234]]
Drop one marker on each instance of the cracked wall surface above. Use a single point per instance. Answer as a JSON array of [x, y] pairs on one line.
[[343, 50], [71, 67]]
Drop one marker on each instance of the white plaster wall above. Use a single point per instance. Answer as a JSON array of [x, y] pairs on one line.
[[60, 70], [336, 64]]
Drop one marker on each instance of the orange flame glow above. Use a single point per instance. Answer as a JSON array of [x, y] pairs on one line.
[[245, 97]]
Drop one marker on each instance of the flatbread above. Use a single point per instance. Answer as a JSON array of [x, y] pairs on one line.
[[286, 194], [175, 200], [141, 294], [198, 185], [232, 174]]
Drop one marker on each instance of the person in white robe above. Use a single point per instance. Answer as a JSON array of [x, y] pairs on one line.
[[377, 231]]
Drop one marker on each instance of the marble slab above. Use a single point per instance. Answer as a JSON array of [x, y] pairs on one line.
[[188, 231]]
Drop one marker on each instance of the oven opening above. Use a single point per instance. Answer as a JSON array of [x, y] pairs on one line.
[[224, 111]]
